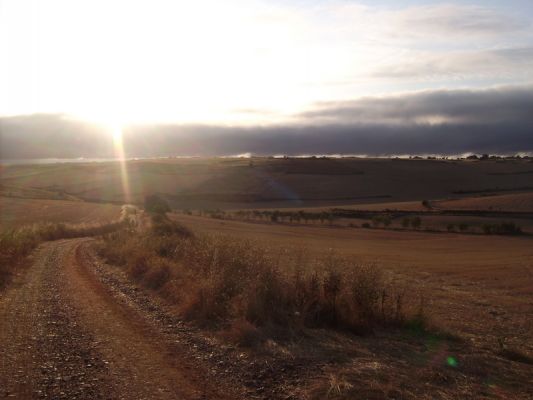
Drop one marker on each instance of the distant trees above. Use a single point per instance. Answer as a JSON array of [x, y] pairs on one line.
[[276, 215], [504, 228], [416, 222], [381, 219], [463, 227]]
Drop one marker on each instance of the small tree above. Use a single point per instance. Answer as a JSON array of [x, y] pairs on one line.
[[416, 222], [405, 222], [156, 204]]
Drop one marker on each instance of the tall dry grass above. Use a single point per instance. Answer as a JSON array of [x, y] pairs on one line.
[[16, 244], [249, 290]]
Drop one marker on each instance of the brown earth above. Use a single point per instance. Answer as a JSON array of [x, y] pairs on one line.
[[474, 284], [17, 212], [74, 327], [64, 334], [271, 183], [508, 202]]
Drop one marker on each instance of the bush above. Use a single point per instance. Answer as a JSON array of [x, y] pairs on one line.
[[16, 244], [163, 226], [504, 228], [156, 204], [222, 282]]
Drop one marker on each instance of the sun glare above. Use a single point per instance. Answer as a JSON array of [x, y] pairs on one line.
[[120, 154], [116, 131]]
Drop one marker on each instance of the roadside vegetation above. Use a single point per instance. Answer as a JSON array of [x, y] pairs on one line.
[[16, 244], [250, 292], [388, 219]]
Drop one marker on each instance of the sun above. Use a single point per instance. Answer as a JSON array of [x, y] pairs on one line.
[[116, 132]]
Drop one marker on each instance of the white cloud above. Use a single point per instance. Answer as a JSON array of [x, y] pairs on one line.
[[199, 61]]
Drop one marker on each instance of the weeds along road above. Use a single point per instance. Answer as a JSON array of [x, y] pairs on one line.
[[64, 334]]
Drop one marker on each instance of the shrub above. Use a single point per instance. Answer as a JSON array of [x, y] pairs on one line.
[[16, 244], [243, 333], [504, 228], [157, 274], [163, 226], [156, 204], [222, 282]]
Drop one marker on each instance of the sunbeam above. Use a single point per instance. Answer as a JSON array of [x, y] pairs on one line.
[[118, 143]]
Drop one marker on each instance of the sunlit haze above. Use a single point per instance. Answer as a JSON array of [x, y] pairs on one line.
[[249, 62], [266, 199]]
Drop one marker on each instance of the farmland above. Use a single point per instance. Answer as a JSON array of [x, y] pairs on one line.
[[155, 285]]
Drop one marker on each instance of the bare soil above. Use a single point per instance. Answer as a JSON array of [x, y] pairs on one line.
[[64, 335], [74, 327], [17, 212], [272, 183]]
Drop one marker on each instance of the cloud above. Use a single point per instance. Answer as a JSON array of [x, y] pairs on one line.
[[504, 62], [432, 122], [455, 20], [437, 107]]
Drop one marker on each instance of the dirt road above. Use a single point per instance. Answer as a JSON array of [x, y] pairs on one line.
[[65, 334]]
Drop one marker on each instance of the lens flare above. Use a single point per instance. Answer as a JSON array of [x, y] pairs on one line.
[[118, 144], [451, 361]]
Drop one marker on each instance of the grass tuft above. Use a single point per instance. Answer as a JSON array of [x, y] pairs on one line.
[[250, 291]]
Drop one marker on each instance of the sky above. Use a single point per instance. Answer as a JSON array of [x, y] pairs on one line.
[[251, 62]]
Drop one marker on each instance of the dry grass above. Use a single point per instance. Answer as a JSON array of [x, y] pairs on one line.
[[250, 291], [19, 212], [16, 244], [233, 183]]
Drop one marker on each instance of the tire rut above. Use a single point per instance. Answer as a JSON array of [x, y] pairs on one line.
[[64, 336], [143, 364], [44, 352]]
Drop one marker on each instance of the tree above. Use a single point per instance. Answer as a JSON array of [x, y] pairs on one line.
[[416, 222], [156, 204]]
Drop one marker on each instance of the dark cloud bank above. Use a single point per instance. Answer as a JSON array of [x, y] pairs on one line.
[[438, 122]]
